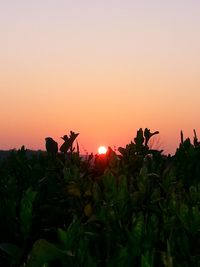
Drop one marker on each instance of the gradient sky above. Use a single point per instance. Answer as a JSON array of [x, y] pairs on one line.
[[103, 68]]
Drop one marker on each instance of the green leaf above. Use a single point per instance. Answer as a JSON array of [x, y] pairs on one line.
[[45, 252], [70, 236], [12, 250], [147, 260], [167, 257], [26, 211], [110, 187]]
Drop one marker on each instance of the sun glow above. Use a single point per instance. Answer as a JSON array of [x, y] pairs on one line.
[[102, 150]]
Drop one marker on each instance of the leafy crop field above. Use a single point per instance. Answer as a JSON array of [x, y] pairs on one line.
[[136, 207]]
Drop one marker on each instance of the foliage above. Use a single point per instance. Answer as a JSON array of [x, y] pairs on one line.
[[136, 208]]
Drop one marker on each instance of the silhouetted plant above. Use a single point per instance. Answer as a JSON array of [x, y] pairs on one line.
[[68, 142], [51, 146], [139, 208]]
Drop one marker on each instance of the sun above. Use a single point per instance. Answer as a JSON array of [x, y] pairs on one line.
[[102, 150]]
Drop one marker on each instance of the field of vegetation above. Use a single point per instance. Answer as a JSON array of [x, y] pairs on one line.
[[136, 207]]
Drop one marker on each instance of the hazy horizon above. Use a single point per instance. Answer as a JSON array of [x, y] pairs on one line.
[[100, 68]]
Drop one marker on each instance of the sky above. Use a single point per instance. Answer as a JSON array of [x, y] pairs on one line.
[[101, 68]]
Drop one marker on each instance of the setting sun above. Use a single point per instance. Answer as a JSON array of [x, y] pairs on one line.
[[102, 150]]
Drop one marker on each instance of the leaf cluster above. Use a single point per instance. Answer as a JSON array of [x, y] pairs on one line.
[[136, 208]]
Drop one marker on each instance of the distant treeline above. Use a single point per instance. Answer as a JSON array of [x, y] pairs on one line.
[[5, 153]]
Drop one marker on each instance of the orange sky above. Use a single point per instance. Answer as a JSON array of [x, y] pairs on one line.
[[102, 68]]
